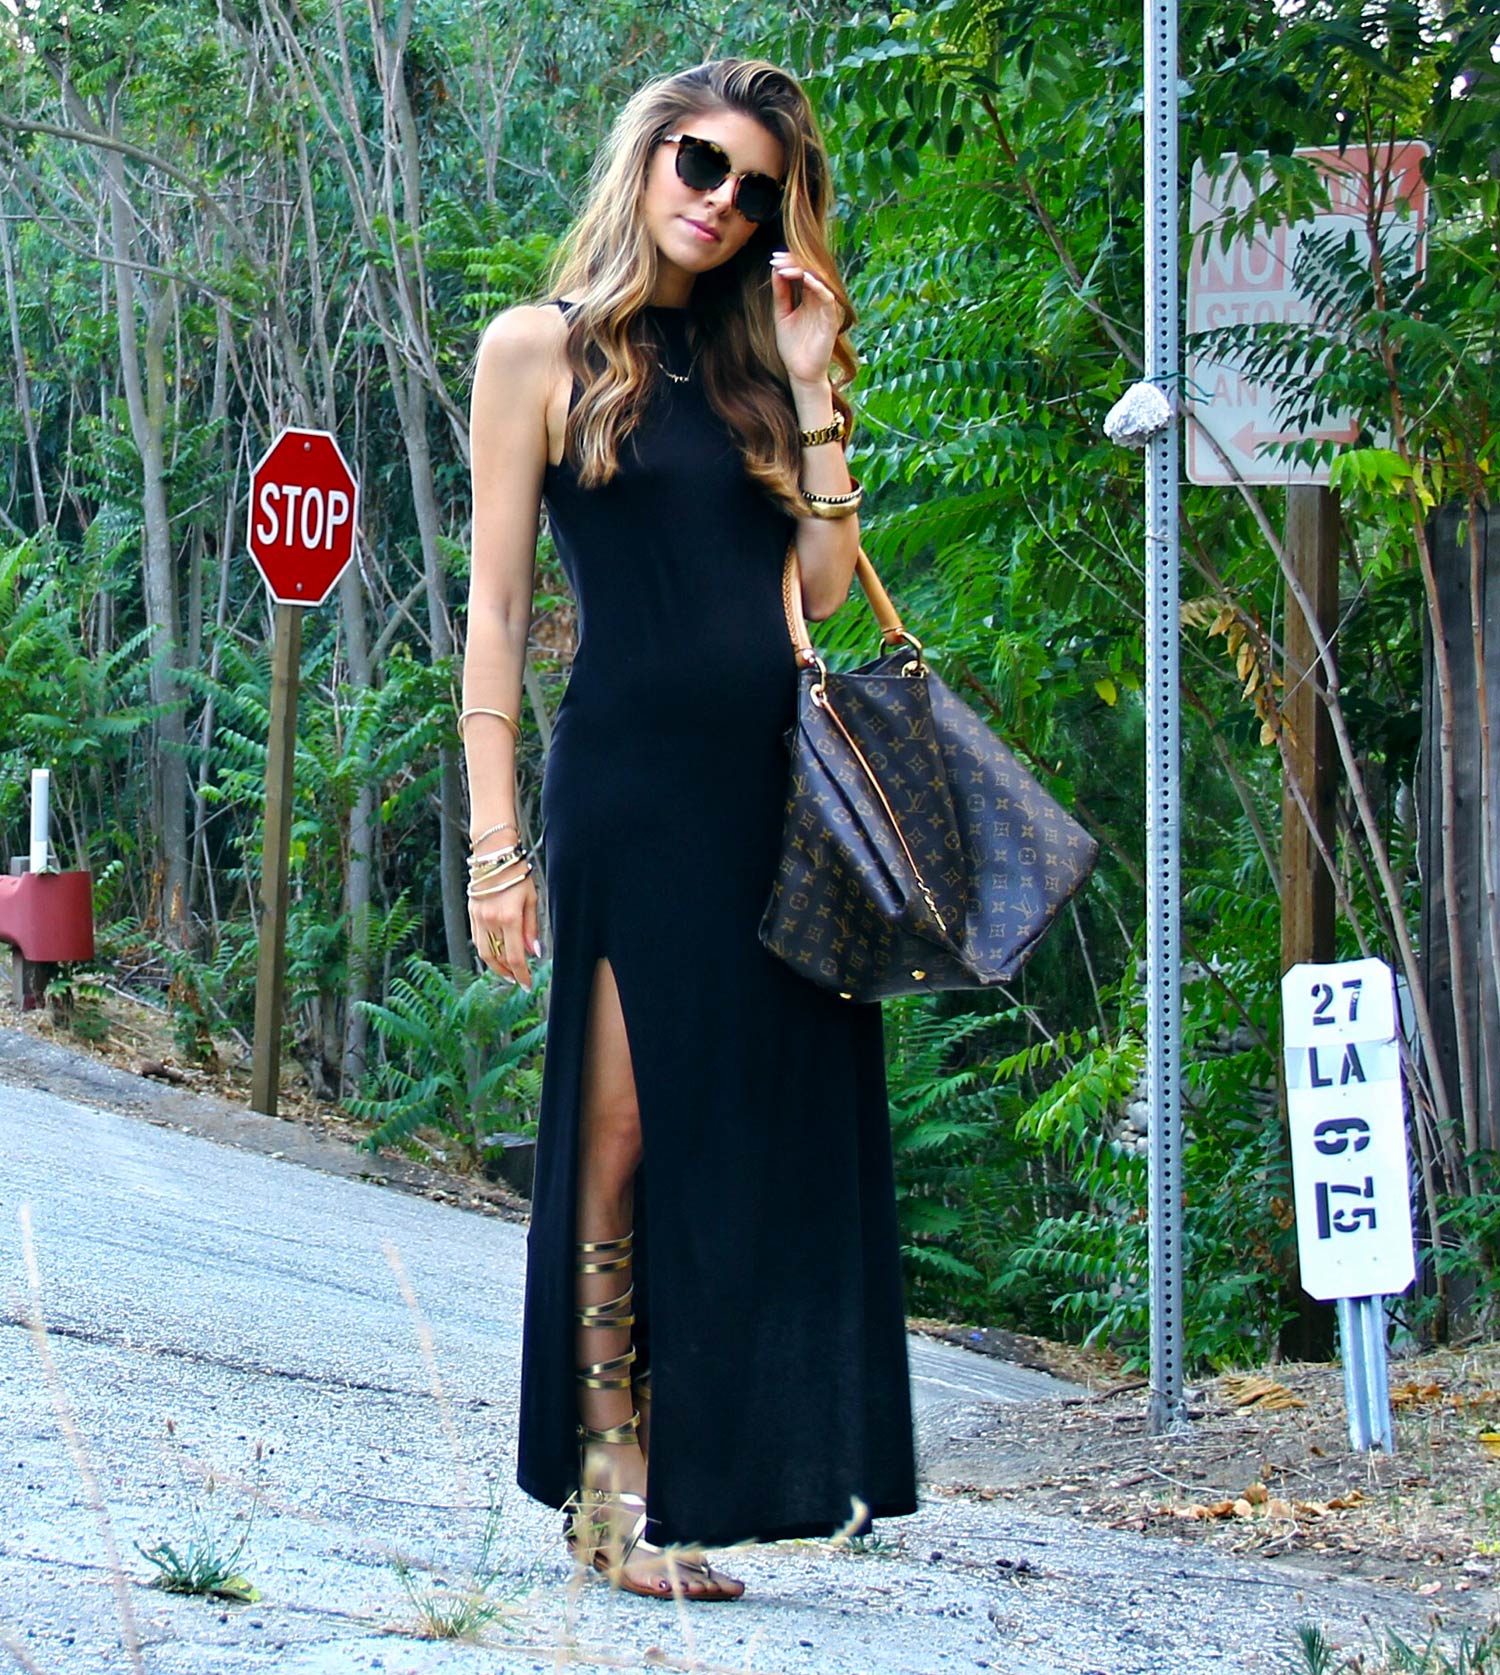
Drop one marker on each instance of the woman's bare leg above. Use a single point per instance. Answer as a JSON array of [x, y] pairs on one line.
[[609, 1151]]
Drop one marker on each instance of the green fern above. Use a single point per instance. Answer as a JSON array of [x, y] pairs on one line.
[[458, 1054]]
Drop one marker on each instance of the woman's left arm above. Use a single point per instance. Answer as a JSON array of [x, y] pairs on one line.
[[805, 334]]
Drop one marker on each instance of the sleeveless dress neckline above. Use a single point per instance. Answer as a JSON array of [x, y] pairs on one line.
[[669, 340]]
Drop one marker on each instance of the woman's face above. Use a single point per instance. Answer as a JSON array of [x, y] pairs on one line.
[[697, 230]]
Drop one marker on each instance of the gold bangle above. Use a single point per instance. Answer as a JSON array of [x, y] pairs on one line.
[[833, 431], [500, 715], [832, 505], [856, 492], [499, 889]]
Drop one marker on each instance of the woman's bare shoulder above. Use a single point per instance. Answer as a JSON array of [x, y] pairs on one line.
[[524, 337]]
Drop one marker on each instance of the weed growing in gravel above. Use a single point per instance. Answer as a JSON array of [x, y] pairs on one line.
[[207, 1563], [1471, 1654], [444, 1611], [463, 1610], [1315, 1655]]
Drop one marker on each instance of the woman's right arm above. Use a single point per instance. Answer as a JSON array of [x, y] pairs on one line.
[[516, 370]]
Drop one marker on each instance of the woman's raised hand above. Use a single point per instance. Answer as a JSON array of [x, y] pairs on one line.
[[807, 331], [505, 931]]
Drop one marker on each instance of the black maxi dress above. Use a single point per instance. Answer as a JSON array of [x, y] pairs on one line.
[[768, 1288]]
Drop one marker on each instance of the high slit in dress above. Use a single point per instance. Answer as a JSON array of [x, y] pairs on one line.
[[768, 1285]]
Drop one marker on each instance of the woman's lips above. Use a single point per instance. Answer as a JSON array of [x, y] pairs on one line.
[[707, 234]]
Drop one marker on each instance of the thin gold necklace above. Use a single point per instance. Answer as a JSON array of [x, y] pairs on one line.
[[676, 377]]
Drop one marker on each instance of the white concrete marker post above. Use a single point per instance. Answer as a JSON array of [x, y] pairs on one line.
[[1351, 1183], [41, 819]]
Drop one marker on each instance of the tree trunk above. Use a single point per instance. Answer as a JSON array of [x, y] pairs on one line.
[[359, 870], [1457, 895], [39, 514], [147, 406], [451, 818]]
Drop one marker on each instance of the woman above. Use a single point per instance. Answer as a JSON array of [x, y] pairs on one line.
[[713, 1285]]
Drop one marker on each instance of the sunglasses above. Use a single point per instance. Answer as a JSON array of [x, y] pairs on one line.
[[704, 165]]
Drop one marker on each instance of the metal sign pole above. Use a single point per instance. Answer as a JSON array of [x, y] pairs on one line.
[[276, 844], [1163, 931], [304, 510], [1367, 1398]]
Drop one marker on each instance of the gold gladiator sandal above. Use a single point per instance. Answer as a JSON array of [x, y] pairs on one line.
[[592, 1531], [590, 1527]]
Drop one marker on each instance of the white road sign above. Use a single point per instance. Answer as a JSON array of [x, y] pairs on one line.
[[1249, 281], [1351, 1186]]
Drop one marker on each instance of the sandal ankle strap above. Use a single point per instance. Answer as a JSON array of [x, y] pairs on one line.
[[613, 1374], [625, 1431]]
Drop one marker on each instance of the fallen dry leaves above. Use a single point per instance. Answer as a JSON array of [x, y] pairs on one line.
[[1254, 1390], [1258, 1502], [1264, 1466]]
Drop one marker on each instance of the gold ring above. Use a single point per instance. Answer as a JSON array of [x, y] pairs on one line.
[[497, 948]]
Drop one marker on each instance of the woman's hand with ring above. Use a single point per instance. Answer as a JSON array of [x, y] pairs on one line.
[[505, 930]]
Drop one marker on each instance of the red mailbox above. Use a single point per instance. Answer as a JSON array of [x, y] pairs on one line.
[[48, 918]]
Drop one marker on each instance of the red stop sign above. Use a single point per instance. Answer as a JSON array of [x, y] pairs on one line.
[[304, 505]]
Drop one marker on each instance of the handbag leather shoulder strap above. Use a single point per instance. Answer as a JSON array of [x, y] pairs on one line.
[[886, 614]]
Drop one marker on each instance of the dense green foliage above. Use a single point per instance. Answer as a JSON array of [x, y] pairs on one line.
[[993, 153], [225, 217], [459, 1058]]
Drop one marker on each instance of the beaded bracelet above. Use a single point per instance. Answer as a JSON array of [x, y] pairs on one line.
[[492, 831]]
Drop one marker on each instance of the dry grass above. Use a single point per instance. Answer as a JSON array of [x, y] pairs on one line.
[[78, 1449]]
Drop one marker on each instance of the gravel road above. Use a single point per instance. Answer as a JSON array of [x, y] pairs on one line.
[[258, 1306]]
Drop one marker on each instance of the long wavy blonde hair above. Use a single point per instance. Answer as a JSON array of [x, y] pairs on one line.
[[607, 263]]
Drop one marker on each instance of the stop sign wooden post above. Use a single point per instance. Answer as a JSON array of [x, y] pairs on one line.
[[304, 508]]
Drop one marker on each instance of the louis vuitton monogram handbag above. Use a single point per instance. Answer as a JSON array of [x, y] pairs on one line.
[[916, 852]]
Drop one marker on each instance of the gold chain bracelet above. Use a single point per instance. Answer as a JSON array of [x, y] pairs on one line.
[[833, 431]]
